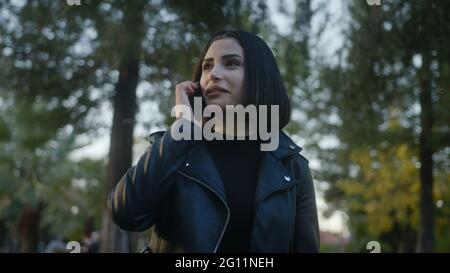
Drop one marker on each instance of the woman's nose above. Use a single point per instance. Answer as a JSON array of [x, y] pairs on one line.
[[215, 74]]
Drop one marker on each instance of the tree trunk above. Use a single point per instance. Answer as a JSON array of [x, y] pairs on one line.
[[120, 152], [426, 230], [28, 228], [124, 103]]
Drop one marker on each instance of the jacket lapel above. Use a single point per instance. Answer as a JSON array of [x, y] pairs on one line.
[[272, 175], [200, 165]]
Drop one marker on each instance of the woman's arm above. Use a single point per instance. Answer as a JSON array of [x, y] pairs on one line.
[[306, 234], [135, 199]]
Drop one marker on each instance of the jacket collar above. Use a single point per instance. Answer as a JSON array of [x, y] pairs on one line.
[[272, 176], [286, 147]]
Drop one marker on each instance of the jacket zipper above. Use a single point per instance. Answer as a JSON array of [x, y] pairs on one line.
[[228, 209]]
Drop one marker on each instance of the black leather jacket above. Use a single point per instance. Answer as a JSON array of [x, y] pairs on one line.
[[176, 190]]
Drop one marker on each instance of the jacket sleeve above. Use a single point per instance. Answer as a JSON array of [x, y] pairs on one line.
[[306, 234], [135, 199]]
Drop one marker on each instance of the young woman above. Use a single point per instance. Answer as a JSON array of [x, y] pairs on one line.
[[223, 195]]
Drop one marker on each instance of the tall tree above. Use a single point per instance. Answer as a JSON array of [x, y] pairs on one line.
[[294, 55], [131, 31], [45, 84], [394, 65]]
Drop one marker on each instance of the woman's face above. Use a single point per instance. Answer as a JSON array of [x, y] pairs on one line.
[[222, 79]]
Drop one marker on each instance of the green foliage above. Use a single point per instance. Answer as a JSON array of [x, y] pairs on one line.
[[371, 102], [46, 87], [383, 191], [44, 174]]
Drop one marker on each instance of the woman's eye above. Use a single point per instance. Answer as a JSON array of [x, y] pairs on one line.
[[234, 63], [206, 66]]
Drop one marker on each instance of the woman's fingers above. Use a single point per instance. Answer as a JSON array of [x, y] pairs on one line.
[[193, 86], [190, 89], [183, 91], [187, 86]]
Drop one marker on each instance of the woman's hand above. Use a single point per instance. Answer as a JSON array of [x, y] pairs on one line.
[[182, 92]]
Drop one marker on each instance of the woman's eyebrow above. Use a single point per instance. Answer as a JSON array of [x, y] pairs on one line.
[[227, 56]]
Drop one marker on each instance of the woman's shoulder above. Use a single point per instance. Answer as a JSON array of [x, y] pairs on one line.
[[287, 147], [292, 153], [153, 137]]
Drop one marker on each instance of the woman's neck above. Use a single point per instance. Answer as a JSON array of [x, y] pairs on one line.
[[238, 128]]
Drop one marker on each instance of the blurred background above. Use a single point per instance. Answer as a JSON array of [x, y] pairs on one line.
[[83, 83]]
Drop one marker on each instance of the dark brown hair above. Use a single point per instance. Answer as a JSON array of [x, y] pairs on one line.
[[262, 80]]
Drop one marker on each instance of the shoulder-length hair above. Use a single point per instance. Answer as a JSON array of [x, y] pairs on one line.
[[262, 79]]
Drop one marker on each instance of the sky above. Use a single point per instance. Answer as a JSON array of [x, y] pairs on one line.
[[330, 41]]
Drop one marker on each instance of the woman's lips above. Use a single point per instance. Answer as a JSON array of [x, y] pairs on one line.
[[214, 93]]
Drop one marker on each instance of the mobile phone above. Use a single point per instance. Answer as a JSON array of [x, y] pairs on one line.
[[197, 93]]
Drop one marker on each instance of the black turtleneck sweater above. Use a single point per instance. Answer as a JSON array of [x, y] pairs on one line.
[[238, 163]]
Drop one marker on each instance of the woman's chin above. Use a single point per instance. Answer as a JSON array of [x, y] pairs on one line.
[[216, 102]]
